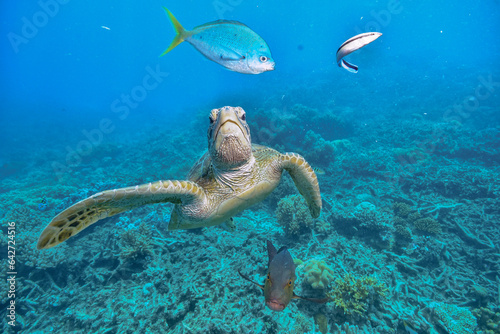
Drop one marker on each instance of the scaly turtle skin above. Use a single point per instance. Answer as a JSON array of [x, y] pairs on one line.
[[233, 175]]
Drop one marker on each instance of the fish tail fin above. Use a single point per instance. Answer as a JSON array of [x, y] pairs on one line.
[[348, 66], [181, 32]]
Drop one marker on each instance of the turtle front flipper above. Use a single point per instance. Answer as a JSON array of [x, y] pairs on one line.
[[111, 202], [305, 180]]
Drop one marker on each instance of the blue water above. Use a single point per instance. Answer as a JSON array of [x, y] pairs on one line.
[[87, 104]]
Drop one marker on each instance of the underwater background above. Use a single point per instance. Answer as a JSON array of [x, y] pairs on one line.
[[408, 239]]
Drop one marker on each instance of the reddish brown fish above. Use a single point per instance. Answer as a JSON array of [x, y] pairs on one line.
[[280, 280]]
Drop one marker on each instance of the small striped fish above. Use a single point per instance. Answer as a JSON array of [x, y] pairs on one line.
[[353, 44]]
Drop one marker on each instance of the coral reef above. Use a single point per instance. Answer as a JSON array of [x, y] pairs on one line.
[[355, 295], [425, 227], [318, 149], [454, 319], [135, 243], [321, 322], [480, 295], [322, 226], [408, 221], [367, 221], [487, 319], [402, 209], [428, 226], [317, 273], [370, 217], [413, 155], [402, 230], [293, 214]]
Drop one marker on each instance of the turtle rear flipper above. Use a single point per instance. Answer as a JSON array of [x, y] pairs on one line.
[[111, 202], [305, 180]]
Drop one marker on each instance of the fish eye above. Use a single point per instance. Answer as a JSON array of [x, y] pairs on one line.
[[268, 277], [289, 282], [263, 59]]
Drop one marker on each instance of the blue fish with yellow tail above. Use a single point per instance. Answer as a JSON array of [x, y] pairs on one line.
[[280, 280], [228, 43]]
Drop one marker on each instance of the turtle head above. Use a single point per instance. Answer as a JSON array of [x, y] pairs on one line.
[[229, 140]]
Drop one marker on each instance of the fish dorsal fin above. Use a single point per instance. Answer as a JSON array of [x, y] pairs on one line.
[[230, 22], [271, 251], [219, 22], [282, 249]]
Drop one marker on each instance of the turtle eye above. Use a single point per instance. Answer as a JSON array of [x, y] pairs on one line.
[[243, 117], [213, 116], [263, 59]]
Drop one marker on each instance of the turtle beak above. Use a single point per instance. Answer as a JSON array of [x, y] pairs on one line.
[[229, 125]]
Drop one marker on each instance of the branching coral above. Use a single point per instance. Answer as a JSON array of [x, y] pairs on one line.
[[413, 216], [405, 212], [401, 209], [354, 295], [135, 242], [317, 273], [322, 226], [292, 213], [405, 217], [402, 232], [428, 226], [487, 319]]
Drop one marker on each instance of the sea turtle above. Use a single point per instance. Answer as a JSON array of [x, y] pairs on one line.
[[230, 177]]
